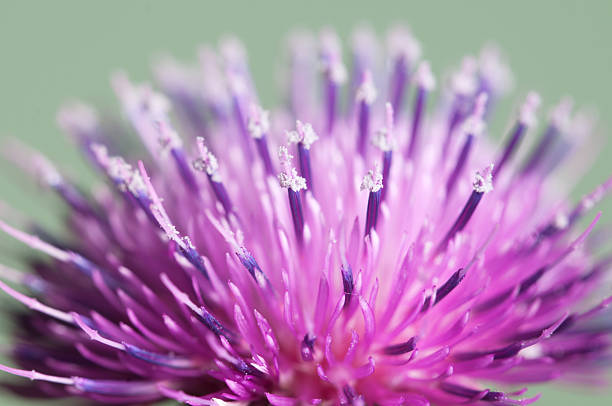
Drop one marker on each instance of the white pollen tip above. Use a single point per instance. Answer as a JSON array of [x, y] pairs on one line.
[[382, 140], [292, 181], [402, 44], [232, 50], [464, 81], [475, 124], [389, 115], [206, 162], [483, 180], [304, 134], [583, 123], [560, 114], [494, 69], [288, 178], [77, 118], [529, 109], [424, 77], [372, 181], [259, 121], [283, 155], [367, 91]]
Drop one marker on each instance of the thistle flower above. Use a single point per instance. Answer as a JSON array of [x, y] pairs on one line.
[[391, 255]]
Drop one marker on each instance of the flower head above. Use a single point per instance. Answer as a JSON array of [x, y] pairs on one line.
[[263, 285]]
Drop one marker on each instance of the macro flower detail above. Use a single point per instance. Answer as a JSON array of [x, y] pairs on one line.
[[373, 249]]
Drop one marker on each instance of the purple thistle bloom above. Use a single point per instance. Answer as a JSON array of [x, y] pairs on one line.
[[208, 269]]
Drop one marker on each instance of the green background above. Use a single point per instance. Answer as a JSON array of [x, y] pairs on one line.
[[54, 51]]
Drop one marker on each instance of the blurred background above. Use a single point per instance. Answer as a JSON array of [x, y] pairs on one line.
[[53, 52]]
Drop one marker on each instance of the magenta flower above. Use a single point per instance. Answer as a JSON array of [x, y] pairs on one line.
[[343, 249]]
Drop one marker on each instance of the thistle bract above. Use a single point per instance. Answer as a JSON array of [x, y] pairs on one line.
[[364, 243]]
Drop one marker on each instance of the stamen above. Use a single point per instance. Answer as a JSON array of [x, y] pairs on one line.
[[364, 52], [494, 74], [526, 119], [404, 51], [384, 141], [307, 347], [304, 137], [348, 283], [449, 285], [335, 75], [366, 95], [259, 125], [168, 138], [239, 91], [181, 84], [144, 108], [483, 183], [473, 127], [213, 85], [246, 259], [402, 348], [302, 49], [163, 221], [372, 181], [463, 85], [425, 84], [290, 180], [208, 163], [558, 123], [80, 121]]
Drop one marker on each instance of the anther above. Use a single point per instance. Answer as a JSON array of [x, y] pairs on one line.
[[304, 136], [366, 95], [259, 126], [425, 84], [526, 119], [208, 163], [483, 183], [373, 182], [290, 180]]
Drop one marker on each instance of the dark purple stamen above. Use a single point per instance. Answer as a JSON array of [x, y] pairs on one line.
[[458, 113], [331, 96], [117, 388], [295, 203], [471, 393], [262, 148], [417, 117], [531, 280], [449, 285], [399, 79], [363, 126], [304, 162], [352, 397], [158, 359], [194, 257], [459, 164], [184, 169], [372, 211], [511, 147], [214, 325], [347, 283], [307, 347], [500, 353], [221, 194], [248, 261], [192, 111], [75, 199], [240, 117], [546, 142], [402, 348], [386, 169], [462, 220]]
